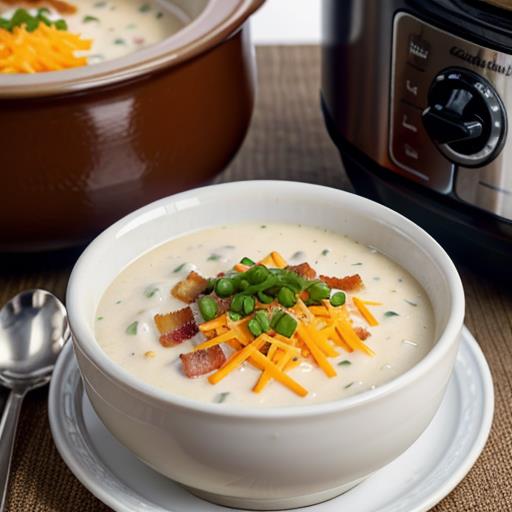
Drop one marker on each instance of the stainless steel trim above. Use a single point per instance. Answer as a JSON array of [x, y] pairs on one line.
[[488, 187]]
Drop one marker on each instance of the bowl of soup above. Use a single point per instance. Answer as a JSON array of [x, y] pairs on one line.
[[267, 345], [108, 105]]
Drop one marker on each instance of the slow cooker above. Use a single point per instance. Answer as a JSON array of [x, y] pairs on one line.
[[417, 95]]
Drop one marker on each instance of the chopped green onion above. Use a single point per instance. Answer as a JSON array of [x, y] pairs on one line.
[[345, 362], [150, 291], [179, 268], [88, 19], [224, 287], [247, 261], [276, 316], [248, 305], [338, 299], [390, 313], [318, 291], [234, 316], [286, 325], [254, 327], [214, 257], [325, 252], [31, 24], [262, 318], [348, 385], [132, 328], [221, 397], [208, 308], [286, 297], [257, 274], [264, 298], [61, 25], [237, 303]]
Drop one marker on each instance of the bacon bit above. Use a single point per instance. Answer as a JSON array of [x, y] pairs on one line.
[[265, 348], [179, 335], [190, 288], [176, 327], [59, 5], [304, 270], [362, 333], [202, 361], [347, 283], [173, 320]]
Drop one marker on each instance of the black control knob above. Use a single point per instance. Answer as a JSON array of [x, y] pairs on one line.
[[465, 117]]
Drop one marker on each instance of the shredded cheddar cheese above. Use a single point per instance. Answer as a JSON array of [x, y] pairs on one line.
[[365, 312], [44, 49]]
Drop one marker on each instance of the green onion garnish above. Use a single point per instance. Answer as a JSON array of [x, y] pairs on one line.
[[286, 325], [207, 307], [150, 291], [221, 397], [131, 330]]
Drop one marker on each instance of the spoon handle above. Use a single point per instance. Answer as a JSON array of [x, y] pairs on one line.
[[7, 437]]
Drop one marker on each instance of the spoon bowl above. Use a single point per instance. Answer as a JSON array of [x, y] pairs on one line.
[[33, 330]]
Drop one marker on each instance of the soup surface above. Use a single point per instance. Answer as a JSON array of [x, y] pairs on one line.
[[114, 27], [126, 330]]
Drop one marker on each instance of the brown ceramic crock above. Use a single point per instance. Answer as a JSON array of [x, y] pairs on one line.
[[80, 148]]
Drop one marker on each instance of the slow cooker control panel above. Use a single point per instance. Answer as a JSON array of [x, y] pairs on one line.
[[448, 120], [465, 117]]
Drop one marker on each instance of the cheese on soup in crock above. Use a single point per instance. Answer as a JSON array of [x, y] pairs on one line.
[[113, 28], [264, 315]]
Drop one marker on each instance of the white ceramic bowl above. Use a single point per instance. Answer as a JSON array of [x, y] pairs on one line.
[[266, 458]]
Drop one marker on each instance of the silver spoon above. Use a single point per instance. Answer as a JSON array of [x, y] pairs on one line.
[[33, 330]]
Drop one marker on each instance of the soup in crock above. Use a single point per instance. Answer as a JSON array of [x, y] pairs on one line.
[[265, 315], [97, 30]]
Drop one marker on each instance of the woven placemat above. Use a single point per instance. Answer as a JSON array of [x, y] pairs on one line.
[[287, 140]]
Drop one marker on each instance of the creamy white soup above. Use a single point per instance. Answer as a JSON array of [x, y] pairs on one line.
[[115, 27], [324, 369]]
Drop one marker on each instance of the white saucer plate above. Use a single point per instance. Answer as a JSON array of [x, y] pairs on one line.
[[416, 481]]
